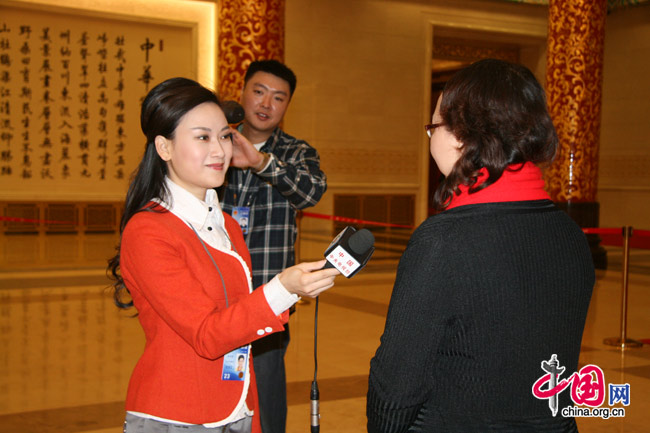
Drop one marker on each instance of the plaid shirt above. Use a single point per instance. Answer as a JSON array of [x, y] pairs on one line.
[[292, 180]]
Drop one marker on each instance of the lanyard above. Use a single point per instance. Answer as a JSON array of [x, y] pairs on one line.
[[223, 283]]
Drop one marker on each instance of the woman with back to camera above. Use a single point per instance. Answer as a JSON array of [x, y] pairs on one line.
[[186, 266], [492, 286]]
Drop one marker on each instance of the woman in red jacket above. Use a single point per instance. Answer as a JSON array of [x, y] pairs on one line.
[[186, 267]]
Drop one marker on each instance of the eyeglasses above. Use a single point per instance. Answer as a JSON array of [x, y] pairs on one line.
[[431, 127]]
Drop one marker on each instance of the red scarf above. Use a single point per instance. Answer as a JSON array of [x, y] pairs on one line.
[[513, 185]]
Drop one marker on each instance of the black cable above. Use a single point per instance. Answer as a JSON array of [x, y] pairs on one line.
[[314, 394], [316, 340]]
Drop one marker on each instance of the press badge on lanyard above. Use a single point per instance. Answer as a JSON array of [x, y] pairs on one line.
[[241, 214], [235, 364]]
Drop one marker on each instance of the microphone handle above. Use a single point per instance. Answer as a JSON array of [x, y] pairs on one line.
[[315, 414]]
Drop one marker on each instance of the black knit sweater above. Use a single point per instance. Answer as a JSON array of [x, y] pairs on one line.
[[484, 293]]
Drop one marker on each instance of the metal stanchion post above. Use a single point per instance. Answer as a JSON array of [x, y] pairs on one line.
[[623, 342]]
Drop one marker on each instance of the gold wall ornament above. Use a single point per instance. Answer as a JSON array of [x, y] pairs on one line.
[[612, 5], [574, 91], [248, 30], [461, 49]]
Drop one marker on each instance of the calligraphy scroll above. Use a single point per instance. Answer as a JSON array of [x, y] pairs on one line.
[[71, 85]]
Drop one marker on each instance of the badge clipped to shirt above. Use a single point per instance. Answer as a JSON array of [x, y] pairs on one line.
[[235, 364], [241, 214]]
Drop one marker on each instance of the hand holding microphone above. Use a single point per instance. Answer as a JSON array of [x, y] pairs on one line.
[[308, 279]]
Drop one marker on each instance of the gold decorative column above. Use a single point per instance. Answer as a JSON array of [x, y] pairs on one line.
[[574, 73], [248, 30]]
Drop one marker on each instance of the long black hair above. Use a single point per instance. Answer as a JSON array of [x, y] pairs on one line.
[[162, 110], [498, 111]]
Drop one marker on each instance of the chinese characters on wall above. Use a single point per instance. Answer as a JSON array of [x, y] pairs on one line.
[[62, 101], [71, 86]]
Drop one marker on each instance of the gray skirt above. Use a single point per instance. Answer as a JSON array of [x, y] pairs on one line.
[[136, 424]]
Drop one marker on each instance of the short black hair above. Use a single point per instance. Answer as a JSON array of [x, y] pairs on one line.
[[274, 67]]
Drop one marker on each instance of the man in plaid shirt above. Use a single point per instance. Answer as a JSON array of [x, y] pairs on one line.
[[276, 174]]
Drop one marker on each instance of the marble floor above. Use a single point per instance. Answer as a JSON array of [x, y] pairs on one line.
[[67, 353]]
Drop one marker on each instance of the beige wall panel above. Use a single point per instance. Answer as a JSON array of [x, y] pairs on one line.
[[624, 164], [624, 207]]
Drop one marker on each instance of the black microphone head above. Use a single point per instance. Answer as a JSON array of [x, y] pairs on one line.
[[361, 241], [233, 110]]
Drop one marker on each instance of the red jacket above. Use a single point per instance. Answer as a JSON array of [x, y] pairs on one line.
[[182, 308]]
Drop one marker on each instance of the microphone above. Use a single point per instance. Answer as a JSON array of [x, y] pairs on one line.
[[350, 251], [233, 110]]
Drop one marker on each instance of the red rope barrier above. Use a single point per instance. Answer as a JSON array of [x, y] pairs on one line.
[[603, 231], [614, 237], [636, 233], [610, 236], [615, 231], [352, 220], [642, 233], [36, 221]]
